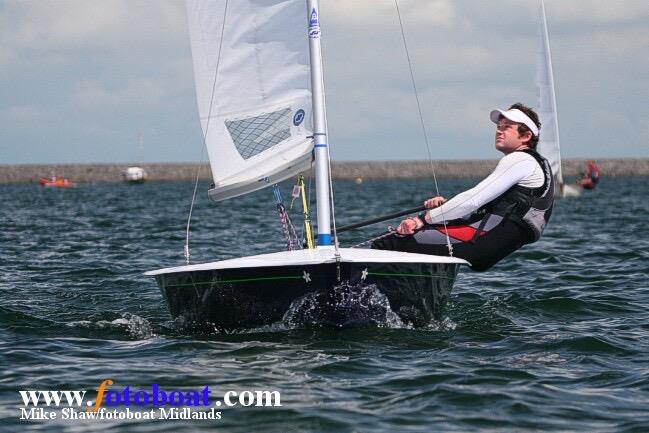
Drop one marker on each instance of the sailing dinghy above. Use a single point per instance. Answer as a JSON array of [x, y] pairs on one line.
[[549, 141], [134, 175], [260, 92]]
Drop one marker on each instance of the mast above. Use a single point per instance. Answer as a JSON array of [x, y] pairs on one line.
[[319, 127], [547, 64]]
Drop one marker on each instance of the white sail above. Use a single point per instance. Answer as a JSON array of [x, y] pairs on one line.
[[251, 70], [549, 141]]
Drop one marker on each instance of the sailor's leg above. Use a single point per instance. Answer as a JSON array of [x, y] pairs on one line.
[[493, 246], [481, 251]]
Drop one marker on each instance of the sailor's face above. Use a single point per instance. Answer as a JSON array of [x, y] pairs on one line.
[[507, 137]]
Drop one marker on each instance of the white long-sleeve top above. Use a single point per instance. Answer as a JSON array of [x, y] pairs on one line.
[[516, 168]]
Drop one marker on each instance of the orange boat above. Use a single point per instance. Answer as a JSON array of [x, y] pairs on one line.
[[56, 181]]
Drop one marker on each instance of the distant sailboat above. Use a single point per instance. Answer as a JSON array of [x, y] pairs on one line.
[[549, 143], [135, 174], [260, 91]]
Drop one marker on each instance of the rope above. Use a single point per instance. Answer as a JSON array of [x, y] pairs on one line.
[[305, 213], [390, 232], [300, 191], [290, 235], [207, 127], [423, 126], [307, 194]]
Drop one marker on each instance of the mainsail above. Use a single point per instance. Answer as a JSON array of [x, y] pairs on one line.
[[251, 70], [549, 141]]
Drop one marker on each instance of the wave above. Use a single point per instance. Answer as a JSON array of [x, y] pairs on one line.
[[128, 324]]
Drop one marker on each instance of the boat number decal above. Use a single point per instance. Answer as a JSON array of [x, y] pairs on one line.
[[299, 117], [314, 25]]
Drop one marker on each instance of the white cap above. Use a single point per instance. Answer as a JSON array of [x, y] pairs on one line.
[[517, 116]]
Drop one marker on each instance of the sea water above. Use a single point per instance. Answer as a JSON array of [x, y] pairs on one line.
[[555, 337]]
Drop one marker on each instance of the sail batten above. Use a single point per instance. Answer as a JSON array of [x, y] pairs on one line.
[[251, 72]]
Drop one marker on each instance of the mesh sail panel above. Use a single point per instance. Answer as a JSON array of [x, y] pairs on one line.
[[253, 135]]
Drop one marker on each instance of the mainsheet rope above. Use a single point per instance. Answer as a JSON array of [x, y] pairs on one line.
[[423, 126]]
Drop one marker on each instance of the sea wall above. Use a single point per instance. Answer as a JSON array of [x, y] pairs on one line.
[[88, 173]]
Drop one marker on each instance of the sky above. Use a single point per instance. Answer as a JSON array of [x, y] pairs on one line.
[[111, 81]]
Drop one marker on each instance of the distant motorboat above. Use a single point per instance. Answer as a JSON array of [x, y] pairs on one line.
[[56, 182], [134, 175]]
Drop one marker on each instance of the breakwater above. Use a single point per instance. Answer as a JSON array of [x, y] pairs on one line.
[[90, 173]]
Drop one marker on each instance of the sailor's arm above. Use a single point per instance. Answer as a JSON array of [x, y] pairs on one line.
[[511, 169]]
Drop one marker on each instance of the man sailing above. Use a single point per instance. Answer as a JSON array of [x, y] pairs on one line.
[[590, 177], [508, 209]]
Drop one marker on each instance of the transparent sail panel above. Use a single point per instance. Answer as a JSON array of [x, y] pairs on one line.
[[254, 135]]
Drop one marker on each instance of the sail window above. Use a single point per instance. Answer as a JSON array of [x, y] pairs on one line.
[[253, 135]]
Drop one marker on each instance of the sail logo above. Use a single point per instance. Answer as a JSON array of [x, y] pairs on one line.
[[298, 118], [314, 25]]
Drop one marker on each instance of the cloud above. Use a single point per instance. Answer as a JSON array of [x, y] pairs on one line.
[[598, 11], [96, 94], [56, 32], [73, 24], [24, 114], [376, 14], [94, 72]]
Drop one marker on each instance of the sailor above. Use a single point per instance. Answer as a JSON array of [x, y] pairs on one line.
[[506, 210], [590, 177]]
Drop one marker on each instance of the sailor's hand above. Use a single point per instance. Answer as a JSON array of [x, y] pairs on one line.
[[409, 226], [434, 202]]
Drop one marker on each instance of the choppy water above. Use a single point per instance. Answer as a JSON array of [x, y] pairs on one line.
[[556, 337]]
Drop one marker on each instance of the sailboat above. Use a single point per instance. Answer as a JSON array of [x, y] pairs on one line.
[[135, 174], [56, 182], [549, 142], [260, 93]]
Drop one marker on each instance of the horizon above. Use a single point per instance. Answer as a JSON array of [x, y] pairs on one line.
[[350, 161]]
